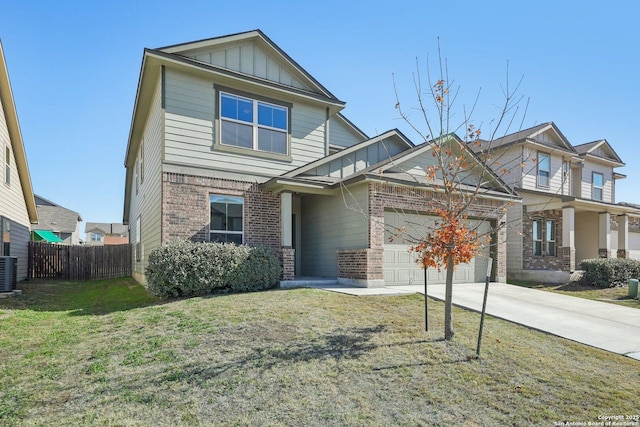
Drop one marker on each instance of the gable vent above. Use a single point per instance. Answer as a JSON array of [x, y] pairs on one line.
[[8, 273]]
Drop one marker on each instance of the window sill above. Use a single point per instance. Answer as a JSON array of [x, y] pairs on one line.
[[252, 152]]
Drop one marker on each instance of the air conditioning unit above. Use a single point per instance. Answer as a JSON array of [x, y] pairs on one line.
[[8, 273]]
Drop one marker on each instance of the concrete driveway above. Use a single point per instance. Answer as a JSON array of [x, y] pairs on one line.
[[599, 324]]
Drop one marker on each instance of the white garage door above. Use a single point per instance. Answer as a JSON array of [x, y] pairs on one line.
[[400, 266]]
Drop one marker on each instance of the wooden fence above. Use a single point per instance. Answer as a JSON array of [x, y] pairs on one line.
[[53, 261]]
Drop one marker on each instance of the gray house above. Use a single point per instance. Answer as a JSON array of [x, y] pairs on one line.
[[56, 224], [232, 140], [17, 203]]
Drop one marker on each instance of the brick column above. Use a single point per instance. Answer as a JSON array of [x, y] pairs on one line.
[[568, 249], [288, 262]]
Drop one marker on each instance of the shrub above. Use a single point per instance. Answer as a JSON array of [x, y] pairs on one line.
[[609, 272], [187, 269]]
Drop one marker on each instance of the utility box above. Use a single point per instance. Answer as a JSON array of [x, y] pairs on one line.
[[8, 273], [633, 288]]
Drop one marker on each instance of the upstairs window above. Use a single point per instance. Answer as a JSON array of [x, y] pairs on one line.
[[597, 180], [544, 170], [253, 124], [96, 237], [226, 219]]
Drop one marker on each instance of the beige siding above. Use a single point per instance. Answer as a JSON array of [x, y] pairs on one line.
[[587, 173], [586, 236], [507, 165], [514, 238], [530, 175], [12, 204], [146, 202], [189, 126], [330, 223], [634, 244]]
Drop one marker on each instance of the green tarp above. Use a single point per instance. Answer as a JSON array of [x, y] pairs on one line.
[[46, 235]]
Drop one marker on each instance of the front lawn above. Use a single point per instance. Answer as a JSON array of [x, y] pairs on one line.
[[107, 353]]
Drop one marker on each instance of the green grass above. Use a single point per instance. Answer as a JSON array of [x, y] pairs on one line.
[[617, 295], [108, 353]]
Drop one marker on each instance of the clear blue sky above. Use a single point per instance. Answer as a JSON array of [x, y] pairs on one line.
[[74, 69]]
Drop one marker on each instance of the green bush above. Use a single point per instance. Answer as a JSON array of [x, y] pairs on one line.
[[188, 268], [609, 272]]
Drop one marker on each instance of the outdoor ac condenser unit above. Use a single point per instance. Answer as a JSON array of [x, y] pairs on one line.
[[8, 273]]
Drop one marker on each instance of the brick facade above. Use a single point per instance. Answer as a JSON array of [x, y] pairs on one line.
[[366, 264], [563, 256], [185, 212]]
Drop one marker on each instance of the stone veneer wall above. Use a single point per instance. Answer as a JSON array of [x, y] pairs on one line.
[[531, 262], [366, 264], [185, 212]]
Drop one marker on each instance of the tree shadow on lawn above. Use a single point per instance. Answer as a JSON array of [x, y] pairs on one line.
[[338, 346], [95, 297]]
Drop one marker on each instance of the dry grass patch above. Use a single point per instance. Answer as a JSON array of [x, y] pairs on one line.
[[295, 357]]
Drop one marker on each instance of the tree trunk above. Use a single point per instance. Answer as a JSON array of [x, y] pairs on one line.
[[448, 300]]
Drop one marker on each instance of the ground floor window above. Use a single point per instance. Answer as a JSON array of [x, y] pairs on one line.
[[544, 237], [226, 219]]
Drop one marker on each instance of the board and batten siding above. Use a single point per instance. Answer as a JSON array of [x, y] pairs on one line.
[[146, 203], [12, 204], [249, 58], [190, 131], [328, 225]]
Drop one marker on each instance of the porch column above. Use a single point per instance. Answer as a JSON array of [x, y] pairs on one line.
[[286, 211], [568, 239], [623, 236], [604, 235], [287, 253]]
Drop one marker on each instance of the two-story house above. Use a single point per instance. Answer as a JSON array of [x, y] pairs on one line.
[[17, 203], [106, 233], [568, 211], [231, 140]]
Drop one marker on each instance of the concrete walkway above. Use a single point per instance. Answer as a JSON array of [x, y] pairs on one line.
[[603, 325]]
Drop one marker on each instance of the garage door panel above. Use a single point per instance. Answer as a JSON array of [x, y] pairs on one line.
[[400, 267]]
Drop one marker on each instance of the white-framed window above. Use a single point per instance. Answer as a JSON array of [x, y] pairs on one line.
[[537, 236], [544, 169], [544, 237], [226, 219], [96, 237], [550, 238], [597, 185], [253, 124], [7, 165]]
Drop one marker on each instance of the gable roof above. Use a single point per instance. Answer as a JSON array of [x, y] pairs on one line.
[[54, 217], [106, 228], [600, 149], [531, 135], [184, 56], [15, 135]]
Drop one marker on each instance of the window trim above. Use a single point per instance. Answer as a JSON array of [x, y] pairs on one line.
[[211, 230], [550, 243], [538, 170], [217, 144], [594, 187], [544, 243]]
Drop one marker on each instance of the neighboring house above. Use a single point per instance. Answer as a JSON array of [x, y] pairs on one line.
[[231, 140], [17, 204], [101, 233], [568, 211], [56, 224]]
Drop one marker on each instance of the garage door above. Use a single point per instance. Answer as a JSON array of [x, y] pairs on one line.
[[400, 266]]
